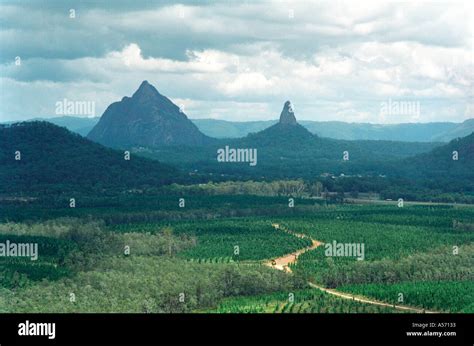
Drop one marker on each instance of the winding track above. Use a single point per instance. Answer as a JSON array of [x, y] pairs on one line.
[[283, 263]]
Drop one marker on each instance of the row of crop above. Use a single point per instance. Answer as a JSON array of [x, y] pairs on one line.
[[240, 240], [131, 208], [379, 240], [447, 296], [300, 301], [212, 260], [392, 253], [438, 216]]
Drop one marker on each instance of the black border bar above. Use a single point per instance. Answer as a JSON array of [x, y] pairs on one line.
[[240, 329]]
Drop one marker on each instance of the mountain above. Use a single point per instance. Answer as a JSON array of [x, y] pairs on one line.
[[55, 159], [146, 119], [454, 160], [231, 129], [432, 174], [292, 139], [80, 125], [287, 116], [288, 150], [286, 132], [409, 132], [461, 130]]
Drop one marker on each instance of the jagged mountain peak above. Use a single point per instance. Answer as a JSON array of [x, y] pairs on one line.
[[145, 88], [147, 119], [287, 115], [286, 132]]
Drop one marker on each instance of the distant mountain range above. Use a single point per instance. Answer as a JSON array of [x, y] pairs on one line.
[[152, 127], [75, 124], [410, 132], [55, 160], [285, 149]]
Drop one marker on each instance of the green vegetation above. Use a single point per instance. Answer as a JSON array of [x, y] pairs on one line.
[[334, 272], [445, 296], [299, 301], [241, 240], [412, 171], [141, 252], [225, 240], [146, 284], [136, 235], [394, 251], [75, 165], [104, 277], [140, 207]]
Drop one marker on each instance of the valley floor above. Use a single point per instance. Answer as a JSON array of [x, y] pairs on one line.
[[234, 254]]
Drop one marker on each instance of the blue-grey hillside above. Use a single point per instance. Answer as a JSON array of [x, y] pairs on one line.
[[147, 119]]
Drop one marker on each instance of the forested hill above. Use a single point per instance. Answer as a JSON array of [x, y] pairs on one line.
[[408, 132], [289, 140], [453, 161], [288, 150], [39, 155], [286, 132], [412, 132]]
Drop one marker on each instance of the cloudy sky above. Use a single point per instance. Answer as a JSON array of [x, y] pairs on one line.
[[230, 60]]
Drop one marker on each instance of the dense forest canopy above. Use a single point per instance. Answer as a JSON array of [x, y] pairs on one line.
[[38, 155]]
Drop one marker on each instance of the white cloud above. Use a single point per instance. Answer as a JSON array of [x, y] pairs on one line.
[[333, 60]]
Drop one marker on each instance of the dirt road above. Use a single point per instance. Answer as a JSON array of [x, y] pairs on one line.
[[282, 263], [367, 300]]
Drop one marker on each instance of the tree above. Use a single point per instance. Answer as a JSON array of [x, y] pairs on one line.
[[316, 189], [168, 234], [354, 193]]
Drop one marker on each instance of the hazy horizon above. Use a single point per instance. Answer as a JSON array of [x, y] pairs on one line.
[[244, 121]]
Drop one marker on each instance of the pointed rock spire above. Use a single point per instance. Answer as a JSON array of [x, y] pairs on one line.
[[287, 115]]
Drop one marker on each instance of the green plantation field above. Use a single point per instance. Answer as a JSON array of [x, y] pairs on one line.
[[136, 207], [141, 253], [299, 301], [236, 239], [433, 261], [44, 263], [150, 277], [390, 213], [145, 284], [442, 296], [389, 251], [250, 240]]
